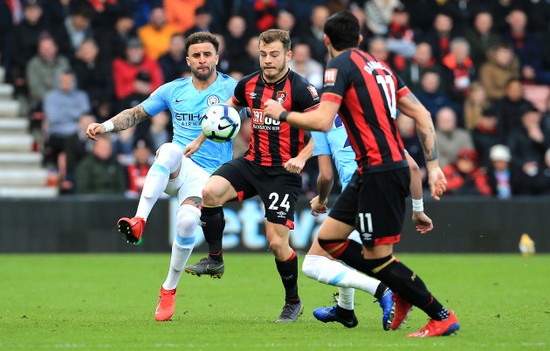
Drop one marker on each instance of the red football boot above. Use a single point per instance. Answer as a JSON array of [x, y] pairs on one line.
[[438, 328], [402, 309], [166, 305], [131, 228]]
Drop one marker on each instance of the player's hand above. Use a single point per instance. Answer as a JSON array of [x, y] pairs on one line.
[[273, 109], [423, 222], [437, 182], [295, 165], [317, 206], [93, 130]]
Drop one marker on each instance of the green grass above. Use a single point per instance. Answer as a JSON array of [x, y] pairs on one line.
[[90, 302]]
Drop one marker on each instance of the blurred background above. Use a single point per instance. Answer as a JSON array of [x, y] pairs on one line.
[[482, 68]]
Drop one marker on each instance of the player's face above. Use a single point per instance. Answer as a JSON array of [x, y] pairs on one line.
[[202, 59], [273, 60]]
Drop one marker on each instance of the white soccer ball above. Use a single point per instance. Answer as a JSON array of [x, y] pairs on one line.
[[220, 123]]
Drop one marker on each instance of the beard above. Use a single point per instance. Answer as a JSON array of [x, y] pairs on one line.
[[272, 74], [204, 75]]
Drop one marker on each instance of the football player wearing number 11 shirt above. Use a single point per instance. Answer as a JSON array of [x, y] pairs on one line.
[[366, 93]]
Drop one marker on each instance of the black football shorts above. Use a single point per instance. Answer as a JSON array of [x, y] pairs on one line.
[[374, 203], [277, 188]]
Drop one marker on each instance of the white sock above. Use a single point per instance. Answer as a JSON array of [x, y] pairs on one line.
[[187, 220], [168, 161], [345, 298], [332, 272]]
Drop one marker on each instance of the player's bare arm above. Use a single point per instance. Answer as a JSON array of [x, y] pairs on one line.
[[420, 219], [320, 119], [121, 121], [411, 107], [296, 164], [325, 181]]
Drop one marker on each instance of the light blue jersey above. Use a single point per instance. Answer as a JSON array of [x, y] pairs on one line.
[[335, 142], [187, 105]]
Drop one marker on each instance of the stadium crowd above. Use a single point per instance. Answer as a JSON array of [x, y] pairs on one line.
[[482, 68]]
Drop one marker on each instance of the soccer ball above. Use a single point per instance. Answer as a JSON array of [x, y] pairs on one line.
[[220, 123]]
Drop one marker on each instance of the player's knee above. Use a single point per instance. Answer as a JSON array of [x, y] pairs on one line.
[[210, 197], [169, 155], [188, 218], [309, 267]]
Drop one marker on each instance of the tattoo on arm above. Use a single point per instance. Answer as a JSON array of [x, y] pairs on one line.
[[129, 118], [431, 153], [413, 98]]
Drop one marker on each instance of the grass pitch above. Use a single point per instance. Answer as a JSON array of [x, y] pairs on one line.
[[90, 302]]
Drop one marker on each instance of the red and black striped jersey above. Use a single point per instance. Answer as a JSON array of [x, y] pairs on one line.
[[273, 143], [367, 91]]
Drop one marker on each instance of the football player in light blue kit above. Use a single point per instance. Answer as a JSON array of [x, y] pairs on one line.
[[317, 264], [172, 172]]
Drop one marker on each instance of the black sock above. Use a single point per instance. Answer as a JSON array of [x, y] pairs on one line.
[[408, 285], [213, 223], [380, 291], [343, 312], [288, 270]]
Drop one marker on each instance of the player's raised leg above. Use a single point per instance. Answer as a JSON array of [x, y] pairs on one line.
[[319, 266], [166, 166], [216, 192]]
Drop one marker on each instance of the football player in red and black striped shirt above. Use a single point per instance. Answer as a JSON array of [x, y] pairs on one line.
[[366, 93], [269, 166]]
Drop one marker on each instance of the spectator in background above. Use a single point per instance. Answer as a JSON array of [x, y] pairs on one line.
[[463, 11], [502, 178], [407, 130], [99, 172], [70, 34], [138, 169], [485, 135], [174, 63], [528, 146], [42, 71], [93, 75], [56, 11], [142, 89], [525, 45], [502, 65], [314, 34], [24, 43], [422, 61], [464, 177], [180, 14], [159, 132], [265, 12], [114, 40], [481, 38], [286, 21], [126, 70], [424, 13], [76, 148], [400, 38], [440, 35], [235, 40], [303, 64], [63, 107], [430, 94], [510, 109], [458, 69], [500, 10], [251, 63], [476, 102], [223, 62], [379, 50], [156, 35], [378, 15], [450, 137], [203, 20]]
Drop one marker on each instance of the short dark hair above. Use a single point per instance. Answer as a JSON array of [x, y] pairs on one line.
[[202, 37], [342, 29], [271, 35]]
